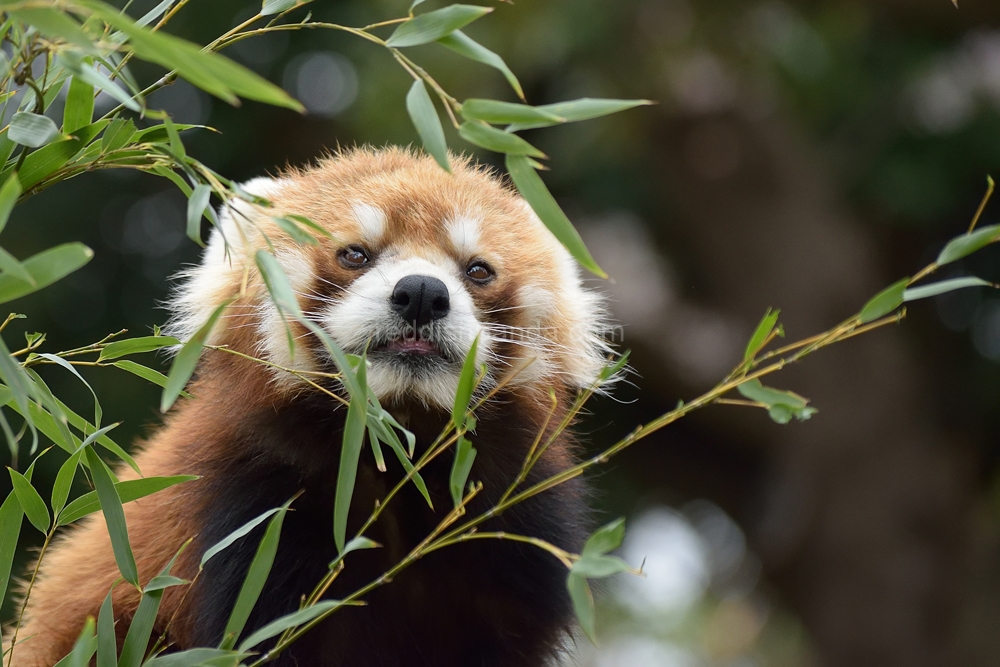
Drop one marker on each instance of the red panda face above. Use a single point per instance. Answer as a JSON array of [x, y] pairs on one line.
[[421, 263]]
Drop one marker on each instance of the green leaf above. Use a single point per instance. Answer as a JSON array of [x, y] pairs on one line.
[[781, 405], [194, 656], [466, 46], [197, 203], [260, 567], [31, 503], [163, 581], [303, 220], [465, 454], [187, 359], [86, 73], [10, 530], [428, 124], [281, 292], [297, 234], [278, 6], [155, 12], [59, 361], [614, 368], [140, 629], [9, 193], [350, 455], [127, 491], [78, 422], [595, 566], [44, 395], [761, 333], [466, 385], [45, 161], [292, 620], [146, 373], [107, 641], [884, 302], [531, 187], [33, 130], [581, 109], [497, 140], [15, 379], [54, 24], [583, 603], [373, 440], [46, 268], [118, 135], [943, 287], [79, 110], [207, 70], [493, 111], [435, 25], [606, 538], [237, 534], [114, 515], [967, 244], [84, 648], [64, 481], [382, 423], [121, 348], [12, 267]]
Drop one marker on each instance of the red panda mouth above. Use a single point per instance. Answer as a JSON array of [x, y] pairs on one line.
[[418, 347]]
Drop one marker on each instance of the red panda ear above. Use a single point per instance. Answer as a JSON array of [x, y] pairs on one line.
[[201, 288]]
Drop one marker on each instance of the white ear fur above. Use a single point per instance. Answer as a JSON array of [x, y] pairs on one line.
[[202, 287]]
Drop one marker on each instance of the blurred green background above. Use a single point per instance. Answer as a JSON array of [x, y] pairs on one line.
[[802, 156]]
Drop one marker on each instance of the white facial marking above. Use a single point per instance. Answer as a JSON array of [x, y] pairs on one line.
[[372, 221], [464, 233]]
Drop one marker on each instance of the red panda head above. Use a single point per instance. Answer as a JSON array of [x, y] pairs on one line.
[[418, 264]]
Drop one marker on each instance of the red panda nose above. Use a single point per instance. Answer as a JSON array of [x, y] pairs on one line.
[[420, 299]]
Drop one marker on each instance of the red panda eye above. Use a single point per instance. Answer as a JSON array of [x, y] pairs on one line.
[[353, 257], [480, 272]]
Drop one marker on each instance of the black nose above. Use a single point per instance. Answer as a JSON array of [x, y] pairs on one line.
[[420, 299]]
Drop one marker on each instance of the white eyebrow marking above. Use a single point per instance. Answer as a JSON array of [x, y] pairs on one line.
[[371, 219], [464, 233]]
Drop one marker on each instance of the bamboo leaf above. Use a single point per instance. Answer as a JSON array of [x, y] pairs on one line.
[[146, 373], [9, 193], [281, 292], [140, 629], [297, 234], [278, 6], [781, 405], [59, 361], [350, 455], [119, 133], [583, 603], [31, 503], [465, 454], [121, 348], [943, 287], [194, 656], [48, 159], [54, 24], [46, 268], [595, 566], [63, 483], [495, 112], [469, 48], [965, 245], [128, 491], [84, 647], [33, 130], [12, 267], [237, 534], [79, 110], [88, 74], [197, 203], [114, 515], [253, 585], [107, 641], [295, 619], [582, 109], [205, 69], [884, 302], [606, 538], [531, 187], [497, 140], [761, 333], [466, 385], [187, 359], [10, 531], [435, 25], [428, 124]]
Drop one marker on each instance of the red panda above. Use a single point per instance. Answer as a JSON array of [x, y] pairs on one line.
[[411, 248]]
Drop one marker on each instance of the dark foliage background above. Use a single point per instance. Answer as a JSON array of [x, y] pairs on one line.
[[803, 155]]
